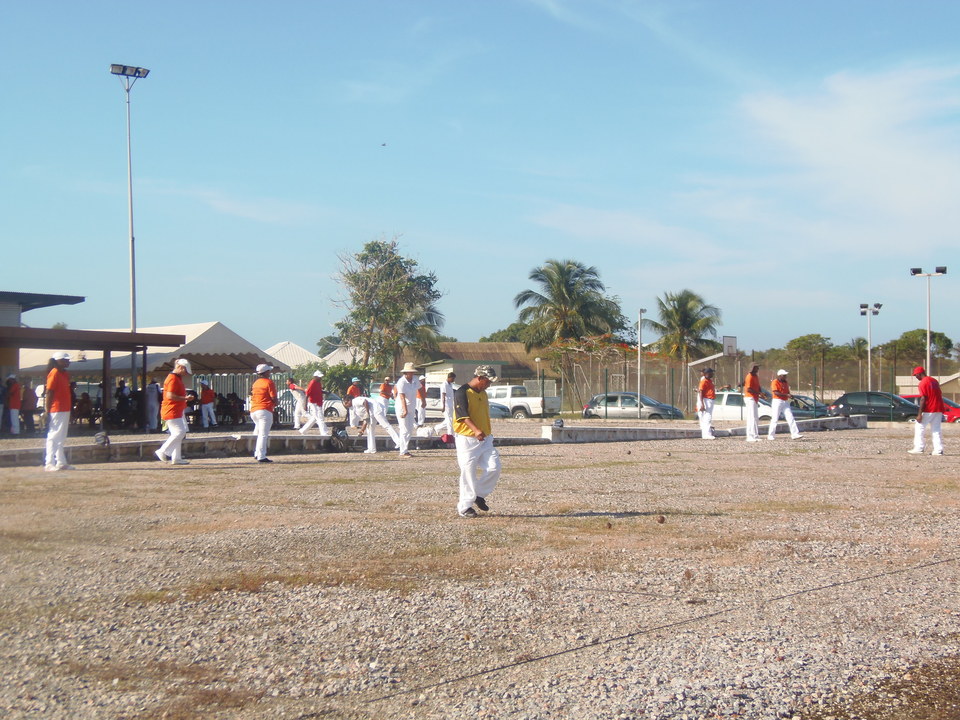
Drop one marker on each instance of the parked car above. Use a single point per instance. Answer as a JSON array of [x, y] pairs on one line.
[[805, 402], [953, 410], [877, 405], [624, 405], [498, 411], [729, 405]]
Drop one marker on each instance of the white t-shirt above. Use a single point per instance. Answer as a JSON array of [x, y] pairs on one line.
[[446, 392], [408, 388]]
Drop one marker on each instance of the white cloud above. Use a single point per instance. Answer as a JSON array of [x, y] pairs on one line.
[[272, 211], [877, 147]]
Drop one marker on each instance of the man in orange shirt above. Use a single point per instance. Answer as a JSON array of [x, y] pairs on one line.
[[751, 403], [263, 399], [780, 389], [208, 405], [172, 409], [14, 399], [706, 394], [355, 390], [57, 405]]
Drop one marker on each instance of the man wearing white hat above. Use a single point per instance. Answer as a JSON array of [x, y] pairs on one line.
[[780, 405], [58, 404], [263, 399], [405, 394], [172, 410], [315, 405]]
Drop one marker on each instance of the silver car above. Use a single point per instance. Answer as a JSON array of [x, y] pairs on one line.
[[624, 405]]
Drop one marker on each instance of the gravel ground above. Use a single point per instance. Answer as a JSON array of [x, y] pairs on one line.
[[666, 579]]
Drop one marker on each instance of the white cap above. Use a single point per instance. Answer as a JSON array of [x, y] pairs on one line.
[[11, 376], [60, 356], [781, 371], [185, 364], [317, 373], [423, 377], [264, 367]]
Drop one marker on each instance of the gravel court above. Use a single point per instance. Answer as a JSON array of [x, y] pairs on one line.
[[345, 586]]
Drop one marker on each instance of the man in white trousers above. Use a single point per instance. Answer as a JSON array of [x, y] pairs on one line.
[[172, 410], [751, 403], [315, 405], [931, 413], [446, 402], [780, 404], [706, 395], [422, 401], [405, 395], [377, 405], [58, 404], [300, 401], [478, 459]]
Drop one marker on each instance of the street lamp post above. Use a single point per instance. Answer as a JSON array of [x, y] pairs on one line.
[[918, 272], [543, 410], [640, 313], [128, 76], [869, 311]]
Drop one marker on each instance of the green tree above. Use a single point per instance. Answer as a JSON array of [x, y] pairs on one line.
[[515, 332], [857, 349], [327, 344], [568, 303], [686, 327], [390, 303], [911, 346]]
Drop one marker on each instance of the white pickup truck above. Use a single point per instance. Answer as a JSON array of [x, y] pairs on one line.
[[522, 404]]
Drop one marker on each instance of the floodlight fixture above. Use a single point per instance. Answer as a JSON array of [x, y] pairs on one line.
[[129, 71], [918, 272]]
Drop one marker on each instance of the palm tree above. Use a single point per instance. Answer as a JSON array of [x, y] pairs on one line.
[[569, 303], [686, 327]]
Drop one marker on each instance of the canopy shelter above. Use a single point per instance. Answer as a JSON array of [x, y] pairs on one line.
[[292, 354], [41, 343], [211, 348]]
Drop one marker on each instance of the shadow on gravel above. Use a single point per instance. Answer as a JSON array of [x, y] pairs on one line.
[[930, 691], [615, 515]]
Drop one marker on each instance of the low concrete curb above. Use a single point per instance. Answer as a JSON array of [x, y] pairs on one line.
[[233, 445], [593, 434]]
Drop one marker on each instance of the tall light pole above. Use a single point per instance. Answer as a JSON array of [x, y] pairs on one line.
[[918, 272], [128, 76], [640, 313], [869, 311]]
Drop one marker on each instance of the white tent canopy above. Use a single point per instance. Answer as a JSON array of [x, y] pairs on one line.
[[292, 354], [210, 347]]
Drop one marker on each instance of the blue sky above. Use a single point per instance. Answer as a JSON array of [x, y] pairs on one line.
[[787, 161]]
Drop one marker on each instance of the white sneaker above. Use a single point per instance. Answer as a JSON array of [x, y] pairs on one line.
[[160, 456], [753, 439], [180, 462], [914, 451], [51, 468], [796, 437], [937, 452], [369, 452]]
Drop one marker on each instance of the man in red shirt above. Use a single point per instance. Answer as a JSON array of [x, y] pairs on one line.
[[780, 404], [172, 409], [315, 405], [57, 404], [14, 399], [208, 406], [931, 413], [706, 395], [751, 403]]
